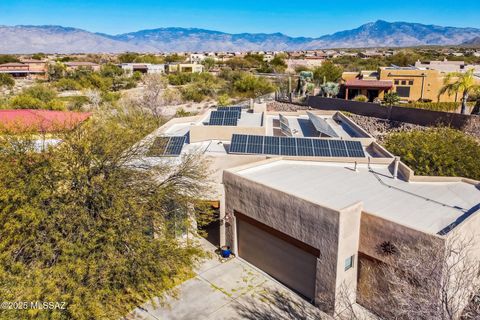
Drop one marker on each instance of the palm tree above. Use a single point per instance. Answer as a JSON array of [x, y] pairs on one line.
[[460, 82]]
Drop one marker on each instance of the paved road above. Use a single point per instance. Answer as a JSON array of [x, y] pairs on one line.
[[231, 290]]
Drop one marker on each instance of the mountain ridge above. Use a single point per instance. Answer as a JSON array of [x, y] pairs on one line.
[[60, 39]]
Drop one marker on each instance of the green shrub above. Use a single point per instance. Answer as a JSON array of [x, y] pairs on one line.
[[111, 96], [29, 102], [67, 84], [437, 152], [250, 86], [191, 93], [361, 98], [223, 100], [6, 80], [181, 113], [40, 92], [74, 102], [391, 98]]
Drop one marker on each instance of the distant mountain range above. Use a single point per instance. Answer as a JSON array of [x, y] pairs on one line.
[[473, 42], [57, 39]]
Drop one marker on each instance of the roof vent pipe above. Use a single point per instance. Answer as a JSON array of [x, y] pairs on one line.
[[355, 168], [395, 167]]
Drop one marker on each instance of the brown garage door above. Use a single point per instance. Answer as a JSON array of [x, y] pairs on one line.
[[278, 255]]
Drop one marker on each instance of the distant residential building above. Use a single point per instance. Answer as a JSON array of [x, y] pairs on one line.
[[198, 57], [29, 69], [370, 54], [145, 68], [268, 57], [446, 66], [184, 67]]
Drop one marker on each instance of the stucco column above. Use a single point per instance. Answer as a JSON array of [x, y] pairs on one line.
[[222, 217], [234, 236]]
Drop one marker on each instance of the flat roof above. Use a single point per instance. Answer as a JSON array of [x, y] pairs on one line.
[[426, 206]]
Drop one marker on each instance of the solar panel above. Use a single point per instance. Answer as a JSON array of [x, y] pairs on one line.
[[166, 146], [223, 118], [355, 149], [255, 144], [232, 108], [175, 146], [289, 146], [321, 148], [272, 145], [338, 148], [239, 143], [285, 126], [304, 147], [321, 125], [157, 149]]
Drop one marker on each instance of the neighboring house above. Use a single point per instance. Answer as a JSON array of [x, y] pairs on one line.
[[75, 65], [27, 69], [446, 66], [198, 57], [309, 197], [145, 68], [184, 67], [411, 84]]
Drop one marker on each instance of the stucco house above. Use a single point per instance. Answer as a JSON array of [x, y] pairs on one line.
[[309, 196]]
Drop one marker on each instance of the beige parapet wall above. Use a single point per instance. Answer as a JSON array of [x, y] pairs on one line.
[[410, 176]]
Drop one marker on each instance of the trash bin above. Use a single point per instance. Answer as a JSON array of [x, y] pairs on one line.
[[225, 252]]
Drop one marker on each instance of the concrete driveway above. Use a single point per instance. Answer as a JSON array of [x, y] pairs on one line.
[[231, 290]]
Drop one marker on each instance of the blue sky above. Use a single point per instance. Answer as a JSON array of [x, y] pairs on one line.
[[295, 18]]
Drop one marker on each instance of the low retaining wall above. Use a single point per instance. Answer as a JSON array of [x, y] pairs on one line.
[[402, 114]]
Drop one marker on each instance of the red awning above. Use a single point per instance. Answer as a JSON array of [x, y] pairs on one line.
[[369, 84]]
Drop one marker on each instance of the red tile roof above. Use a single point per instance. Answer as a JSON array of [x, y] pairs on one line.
[[367, 84], [24, 120]]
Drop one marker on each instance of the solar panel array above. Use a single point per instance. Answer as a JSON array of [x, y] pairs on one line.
[[223, 118], [232, 108], [285, 126], [167, 146], [321, 125], [301, 147]]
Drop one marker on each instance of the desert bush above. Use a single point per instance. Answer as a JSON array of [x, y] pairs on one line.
[[67, 84], [361, 98], [437, 152]]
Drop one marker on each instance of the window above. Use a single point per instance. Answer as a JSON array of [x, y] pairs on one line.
[[349, 262], [397, 82], [403, 92], [404, 82], [410, 82]]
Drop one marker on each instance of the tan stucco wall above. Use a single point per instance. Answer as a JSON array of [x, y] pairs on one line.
[[375, 230], [432, 83], [348, 243], [330, 231]]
